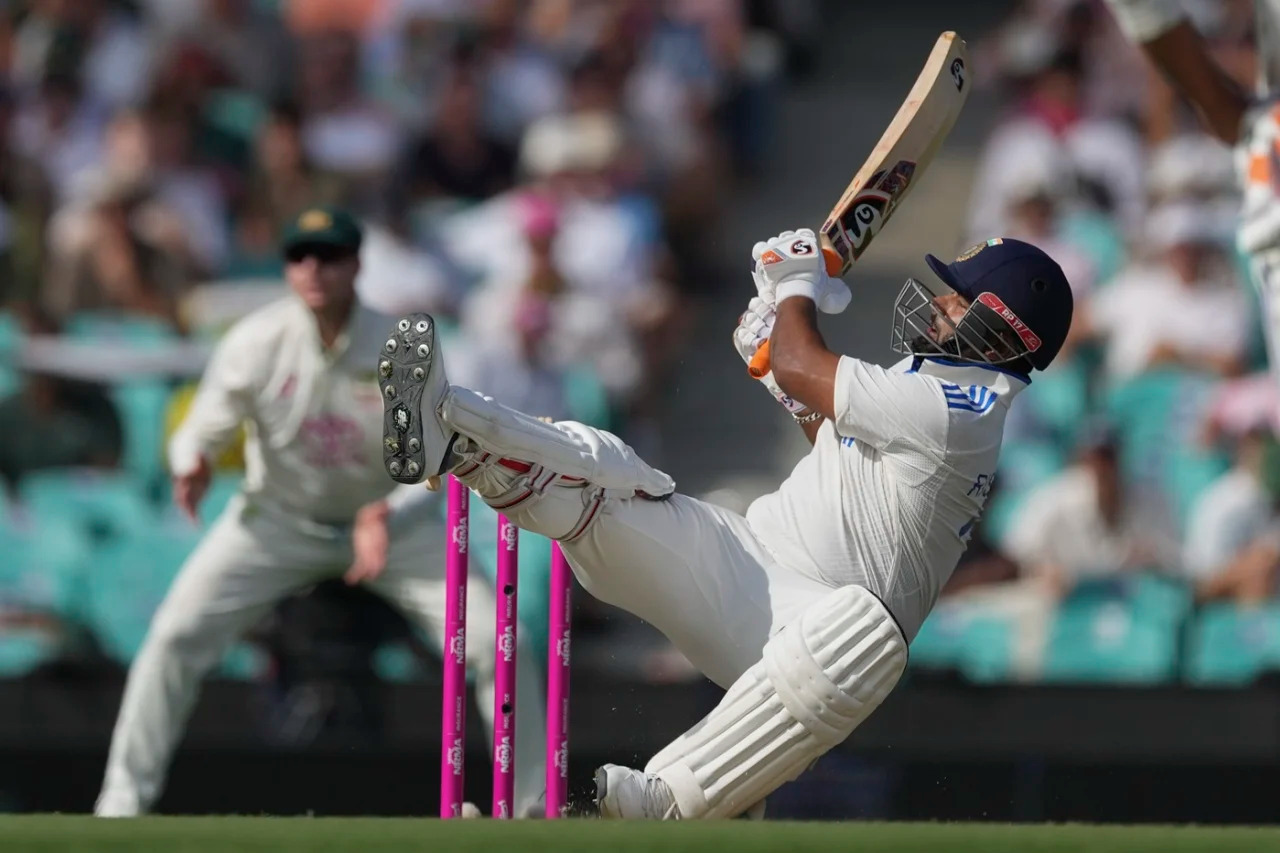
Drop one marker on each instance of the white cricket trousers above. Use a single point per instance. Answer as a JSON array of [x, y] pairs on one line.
[[694, 571], [249, 560]]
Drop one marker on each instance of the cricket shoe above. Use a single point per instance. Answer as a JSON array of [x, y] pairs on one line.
[[415, 443], [628, 794]]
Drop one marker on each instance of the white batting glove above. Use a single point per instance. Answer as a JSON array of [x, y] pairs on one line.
[[754, 328], [792, 264]]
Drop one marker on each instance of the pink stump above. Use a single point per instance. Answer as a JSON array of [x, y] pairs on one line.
[[558, 684], [504, 673], [453, 728]]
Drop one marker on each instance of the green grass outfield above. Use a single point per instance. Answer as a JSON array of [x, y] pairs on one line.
[[371, 835]]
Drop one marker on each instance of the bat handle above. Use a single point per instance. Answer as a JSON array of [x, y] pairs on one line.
[[760, 365]]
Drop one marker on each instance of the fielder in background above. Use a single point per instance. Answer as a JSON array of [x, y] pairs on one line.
[[803, 608], [1249, 121], [315, 504]]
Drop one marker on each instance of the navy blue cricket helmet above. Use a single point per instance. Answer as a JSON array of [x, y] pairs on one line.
[[1020, 307]]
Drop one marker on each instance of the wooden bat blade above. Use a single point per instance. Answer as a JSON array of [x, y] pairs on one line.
[[897, 161]]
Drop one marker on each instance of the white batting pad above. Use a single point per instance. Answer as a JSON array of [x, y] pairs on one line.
[[566, 447], [819, 678]]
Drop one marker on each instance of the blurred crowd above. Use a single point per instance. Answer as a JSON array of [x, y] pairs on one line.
[[542, 175], [1144, 465]]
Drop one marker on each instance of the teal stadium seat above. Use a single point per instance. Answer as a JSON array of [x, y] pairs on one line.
[[105, 504], [1230, 645], [10, 340], [141, 403], [962, 637], [42, 571], [1158, 415], [1122, 632], [223, 488], [1023, 466], [129, 580]]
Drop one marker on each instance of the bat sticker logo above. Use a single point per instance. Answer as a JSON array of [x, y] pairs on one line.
[[802, 247], [957, 73]]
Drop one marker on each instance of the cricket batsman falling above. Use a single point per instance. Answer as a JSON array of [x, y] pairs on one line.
[[1250, 122], [803, 608]]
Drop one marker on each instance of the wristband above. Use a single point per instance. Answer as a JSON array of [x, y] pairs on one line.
[[806, 287]]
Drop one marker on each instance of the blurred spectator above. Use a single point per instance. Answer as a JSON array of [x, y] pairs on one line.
[[106, 49], [123, 250], [255, 247], [1233, 544], [1076, 526], [26, 201], [1103, 155], [55, 422], [344, 131], [456, 157], [250, 45], [56, 128], [1183, 308], [284, 180], [1230, 524], [522, 82]]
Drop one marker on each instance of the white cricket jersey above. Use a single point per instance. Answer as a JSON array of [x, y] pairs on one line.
[[313, 417], [891, 491]]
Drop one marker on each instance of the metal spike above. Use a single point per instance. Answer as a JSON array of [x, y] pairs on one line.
[[422, 326], [390, 391], [419, 374], [414, 445], [424, 350], [392, 445], [413, 468], [394, 467], [403, 325], [392, 345], [384, 369]]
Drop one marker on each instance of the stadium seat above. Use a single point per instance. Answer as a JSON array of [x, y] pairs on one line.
[[1157, 414], [1058, 401], [223, 488], [586, 397], [41, 573], [142, 406], [106, 504], [1232, 645], [1023, 466], [10, 338], [1122, 631], [129, 580], [964, 638], [396, 663], [244, 662]]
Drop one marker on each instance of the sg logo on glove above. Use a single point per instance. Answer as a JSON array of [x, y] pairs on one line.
[[798, 249]]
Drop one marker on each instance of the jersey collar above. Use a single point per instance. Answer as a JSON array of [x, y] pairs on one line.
[[1004, 382]]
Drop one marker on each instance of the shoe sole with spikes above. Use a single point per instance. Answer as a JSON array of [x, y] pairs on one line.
[[404, 369]]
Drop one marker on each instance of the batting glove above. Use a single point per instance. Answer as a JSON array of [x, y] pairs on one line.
[[792, 264], [754, 328]]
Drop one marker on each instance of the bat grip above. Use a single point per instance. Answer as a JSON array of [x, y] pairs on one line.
[[760, 364]]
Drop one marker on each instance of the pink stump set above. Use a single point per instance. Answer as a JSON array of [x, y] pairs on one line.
[[454, 716]]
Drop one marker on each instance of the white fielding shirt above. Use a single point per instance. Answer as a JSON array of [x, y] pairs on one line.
[[891, 491], [313, 417]]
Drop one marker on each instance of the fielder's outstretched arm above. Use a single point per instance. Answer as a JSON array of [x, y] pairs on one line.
[[1173, 45]]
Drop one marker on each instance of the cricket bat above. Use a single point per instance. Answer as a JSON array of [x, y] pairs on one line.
[[896, 163]]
